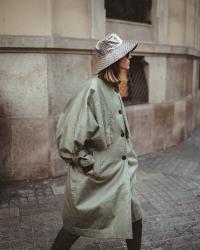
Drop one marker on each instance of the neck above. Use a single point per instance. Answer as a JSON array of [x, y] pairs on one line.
[[123, 75]]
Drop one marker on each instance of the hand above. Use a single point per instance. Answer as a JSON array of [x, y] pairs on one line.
[[91, 172]]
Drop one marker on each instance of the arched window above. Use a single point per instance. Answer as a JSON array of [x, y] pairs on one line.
[[130, 10]]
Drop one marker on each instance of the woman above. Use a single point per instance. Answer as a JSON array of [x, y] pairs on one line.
[[94, 140]]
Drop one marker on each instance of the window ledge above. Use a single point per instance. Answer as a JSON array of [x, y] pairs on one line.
[[129, 23], [9, 43]]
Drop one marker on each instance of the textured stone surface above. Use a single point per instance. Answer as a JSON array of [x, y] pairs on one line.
[[36, 43], [25, 153], [36, 13], [66, 21], [48, 42], [168, 188], [57, 165], [34, 89], [143, 32], [189, 115], [163, 125], [176, 22], [195, 78], [141, 120], [197, 113], [155, 127], [63, 82], [5, 146], [23, 85], [179, 131], [188, 76], [175, 88], [190, 30], [157, 74]]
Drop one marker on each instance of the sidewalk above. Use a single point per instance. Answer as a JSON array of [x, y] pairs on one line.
[[168, 184]]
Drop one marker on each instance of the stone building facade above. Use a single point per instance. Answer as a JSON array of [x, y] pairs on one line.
[[46, 54]]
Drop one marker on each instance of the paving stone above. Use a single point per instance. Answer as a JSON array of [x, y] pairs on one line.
[[4, 245], [168, 185], [14, 211], [4, 213], [58, 189], [16, 244]]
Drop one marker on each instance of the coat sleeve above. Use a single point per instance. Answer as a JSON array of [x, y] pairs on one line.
[[79, 129]]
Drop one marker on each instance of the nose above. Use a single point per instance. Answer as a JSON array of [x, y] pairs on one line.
[[130, 55]]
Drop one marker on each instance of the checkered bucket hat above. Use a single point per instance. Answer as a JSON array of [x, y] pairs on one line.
[[110, 49]]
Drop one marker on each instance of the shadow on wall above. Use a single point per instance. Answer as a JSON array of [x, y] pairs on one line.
[[5, 143]]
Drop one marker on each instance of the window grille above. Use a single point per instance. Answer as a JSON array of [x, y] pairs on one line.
[[130, 10], [135, 90]]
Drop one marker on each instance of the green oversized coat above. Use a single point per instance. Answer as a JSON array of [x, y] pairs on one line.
[[93, 129]]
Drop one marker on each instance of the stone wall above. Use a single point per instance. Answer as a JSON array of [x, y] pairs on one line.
[[159, 126], [45, 58], [34, 88], [79, 18]]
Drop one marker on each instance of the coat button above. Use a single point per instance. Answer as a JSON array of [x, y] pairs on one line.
[[122, 134], [116, 90], [123, 157], [120, 112]]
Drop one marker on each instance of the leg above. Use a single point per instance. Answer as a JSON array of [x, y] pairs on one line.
[[64, 240], [135, 243]]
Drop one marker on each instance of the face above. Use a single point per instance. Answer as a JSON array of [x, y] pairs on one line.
[[124, 62]]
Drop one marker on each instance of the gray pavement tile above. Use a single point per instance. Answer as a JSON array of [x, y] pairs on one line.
[[4, 213], [85, 243], [189, 246], [28, 243], [15, 234], [13, 211], [16, 244], [4, 233], [168, 185], [58, 189], [112, 243], [4, 245]]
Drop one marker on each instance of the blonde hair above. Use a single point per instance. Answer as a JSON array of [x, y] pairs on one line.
[[111, 74]]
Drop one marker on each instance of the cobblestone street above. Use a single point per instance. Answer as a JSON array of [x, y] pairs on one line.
[[168, 184]]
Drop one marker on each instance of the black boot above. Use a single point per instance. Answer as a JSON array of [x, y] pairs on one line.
[[135, 243], [64, 240]]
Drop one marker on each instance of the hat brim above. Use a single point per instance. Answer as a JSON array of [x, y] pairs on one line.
[[104, 61]]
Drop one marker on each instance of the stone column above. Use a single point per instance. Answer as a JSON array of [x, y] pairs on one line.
[[162, 22], [195, 78], [176, 22], [190, 23], [98, 19], [197, 25], [157, 78]]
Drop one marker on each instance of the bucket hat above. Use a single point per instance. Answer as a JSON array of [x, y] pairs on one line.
[[112, 48]]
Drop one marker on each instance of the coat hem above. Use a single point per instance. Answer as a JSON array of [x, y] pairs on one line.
[[97, 233]]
